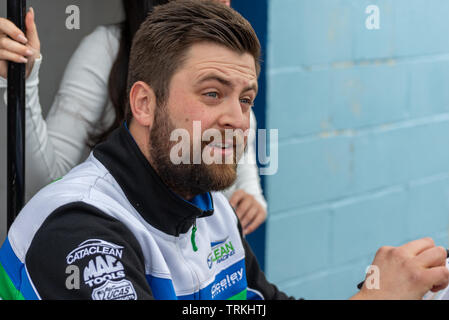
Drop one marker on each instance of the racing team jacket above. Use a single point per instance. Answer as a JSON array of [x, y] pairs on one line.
[[111, 229]]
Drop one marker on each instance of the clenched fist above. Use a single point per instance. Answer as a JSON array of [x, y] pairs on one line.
[[408, 272]]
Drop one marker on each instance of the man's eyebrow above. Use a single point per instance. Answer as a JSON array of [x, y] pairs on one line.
[[225, 82], [252, 87]]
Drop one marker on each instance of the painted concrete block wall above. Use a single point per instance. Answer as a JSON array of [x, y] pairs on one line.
[[363, 119]]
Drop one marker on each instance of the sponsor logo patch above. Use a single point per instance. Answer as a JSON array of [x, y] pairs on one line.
[[220, 251], [115, 290], [101, 269], [226, 282], [93, 247]]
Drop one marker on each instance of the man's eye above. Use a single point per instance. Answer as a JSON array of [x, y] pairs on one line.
[[211, 94], [247, 101]]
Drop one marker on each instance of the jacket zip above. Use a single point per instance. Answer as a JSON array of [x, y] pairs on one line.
[[192, 237]]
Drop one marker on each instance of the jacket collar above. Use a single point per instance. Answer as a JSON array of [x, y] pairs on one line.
[[148, 194]]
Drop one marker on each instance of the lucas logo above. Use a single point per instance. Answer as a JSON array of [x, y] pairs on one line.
[[115, 290], [220, 251]]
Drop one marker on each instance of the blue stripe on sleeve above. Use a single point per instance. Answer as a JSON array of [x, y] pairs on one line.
[[16, 271], [161, 288]]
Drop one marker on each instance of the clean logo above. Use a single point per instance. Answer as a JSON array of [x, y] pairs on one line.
[[220, 251]]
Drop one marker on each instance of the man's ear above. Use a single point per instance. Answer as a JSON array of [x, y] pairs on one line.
[[142, 101]]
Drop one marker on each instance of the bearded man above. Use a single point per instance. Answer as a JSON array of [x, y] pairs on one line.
[[132, 223]]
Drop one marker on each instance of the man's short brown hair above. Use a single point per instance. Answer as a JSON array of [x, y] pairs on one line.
[[163, 39]]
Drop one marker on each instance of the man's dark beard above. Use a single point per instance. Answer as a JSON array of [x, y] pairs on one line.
[[187, 180]]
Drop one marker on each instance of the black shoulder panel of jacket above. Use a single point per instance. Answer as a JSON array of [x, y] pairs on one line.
[[255, 276], [80, 252]]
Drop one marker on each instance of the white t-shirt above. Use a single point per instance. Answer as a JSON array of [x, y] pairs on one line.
[[82, 106]]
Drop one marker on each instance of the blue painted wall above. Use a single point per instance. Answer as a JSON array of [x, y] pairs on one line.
[[255, 11], [363, 119]]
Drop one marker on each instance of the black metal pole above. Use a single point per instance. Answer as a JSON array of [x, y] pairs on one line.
[[16, 122]]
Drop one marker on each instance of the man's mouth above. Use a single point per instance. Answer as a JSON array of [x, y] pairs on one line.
[[223, 148], [221, 145]]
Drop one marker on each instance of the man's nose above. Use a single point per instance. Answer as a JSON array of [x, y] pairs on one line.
[[234, 116]]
